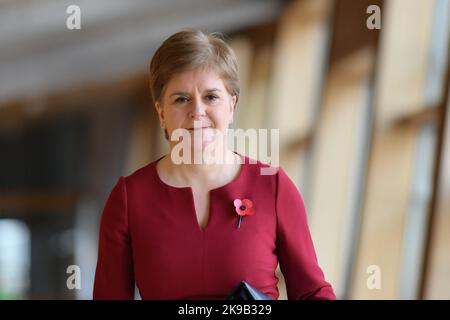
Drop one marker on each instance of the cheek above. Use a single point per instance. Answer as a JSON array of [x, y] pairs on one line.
[[175, 118], [221, 118]]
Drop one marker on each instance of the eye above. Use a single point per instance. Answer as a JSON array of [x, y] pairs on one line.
[[212, 97], [181, 100]]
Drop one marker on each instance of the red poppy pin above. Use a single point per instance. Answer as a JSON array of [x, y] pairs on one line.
[[243, 208]]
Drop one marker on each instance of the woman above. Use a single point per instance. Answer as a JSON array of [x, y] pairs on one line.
[[194, 230]]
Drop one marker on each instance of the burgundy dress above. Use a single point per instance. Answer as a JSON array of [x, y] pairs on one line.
[[149, 236]]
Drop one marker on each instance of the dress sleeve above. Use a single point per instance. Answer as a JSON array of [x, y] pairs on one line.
[[114, 277], [298, 262]]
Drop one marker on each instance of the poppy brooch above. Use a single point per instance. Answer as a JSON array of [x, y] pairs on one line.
[[243, 208]]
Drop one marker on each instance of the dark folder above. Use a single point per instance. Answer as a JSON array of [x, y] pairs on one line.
[[244, 291]]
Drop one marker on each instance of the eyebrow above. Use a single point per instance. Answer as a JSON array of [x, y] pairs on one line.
[[182, 93]]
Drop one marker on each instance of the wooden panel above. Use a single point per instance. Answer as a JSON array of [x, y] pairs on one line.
[[255, 114], [243, 49], [404, 58], [339, 152], [386, 203], [400, 93], [300, 52]]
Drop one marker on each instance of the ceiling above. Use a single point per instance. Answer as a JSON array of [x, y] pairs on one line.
[[39, 54]]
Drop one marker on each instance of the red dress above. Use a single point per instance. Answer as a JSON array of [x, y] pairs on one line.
[[149, 235]]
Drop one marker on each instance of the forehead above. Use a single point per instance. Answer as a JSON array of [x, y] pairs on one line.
[[197, 79]]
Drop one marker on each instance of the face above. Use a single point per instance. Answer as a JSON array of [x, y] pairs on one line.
[[196, 98]]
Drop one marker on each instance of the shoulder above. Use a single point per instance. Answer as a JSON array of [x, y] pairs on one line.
[[264, 170], [141, 172], [273, 175], [143, 177], [264, 174]]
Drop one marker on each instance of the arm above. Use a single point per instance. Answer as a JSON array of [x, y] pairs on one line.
[[114, 278], [295, 249]]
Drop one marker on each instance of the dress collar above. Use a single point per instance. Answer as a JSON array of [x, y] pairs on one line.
[[240, 176]]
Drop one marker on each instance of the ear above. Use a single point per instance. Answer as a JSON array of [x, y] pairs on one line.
[[233, 103], [233, 108], [160, 111]]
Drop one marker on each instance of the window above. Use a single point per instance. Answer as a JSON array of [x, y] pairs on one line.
[[14, 259]]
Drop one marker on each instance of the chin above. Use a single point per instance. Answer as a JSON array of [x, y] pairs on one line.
[[201, 147]]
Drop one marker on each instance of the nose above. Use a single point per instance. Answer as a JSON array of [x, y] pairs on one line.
[[198, 109]]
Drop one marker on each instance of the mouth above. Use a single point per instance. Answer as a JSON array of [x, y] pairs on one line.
[[198, 128]]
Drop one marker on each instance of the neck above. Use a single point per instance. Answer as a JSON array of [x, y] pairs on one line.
[[200, 174]]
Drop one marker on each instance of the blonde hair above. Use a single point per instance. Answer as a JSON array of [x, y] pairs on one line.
[[192, 49]]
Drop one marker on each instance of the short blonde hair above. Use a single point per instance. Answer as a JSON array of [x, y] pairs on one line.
[[192, 49]]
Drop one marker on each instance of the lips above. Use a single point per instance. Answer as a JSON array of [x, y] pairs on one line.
[[207, 133], [198, 128]]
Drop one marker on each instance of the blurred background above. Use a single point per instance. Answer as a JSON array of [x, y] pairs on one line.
[[363, 115]]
